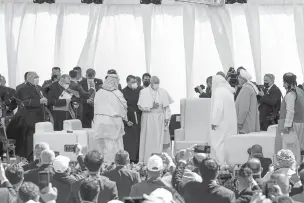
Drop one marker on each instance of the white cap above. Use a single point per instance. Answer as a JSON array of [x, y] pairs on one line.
[[245, 74], [155, 163], [61, 164]]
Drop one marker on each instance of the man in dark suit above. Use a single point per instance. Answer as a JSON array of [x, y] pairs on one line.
[[55, 71], [244, 178], [256, 151], [108, 190], [207, 191], [11, 179], [79, 77], [255, 165], [88, 104], [270, 103], [7, 99], [22, 84], [46, 159], [122, 176]]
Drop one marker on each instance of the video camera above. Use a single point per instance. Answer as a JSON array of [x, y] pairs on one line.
[[233, 77], [197, 90]]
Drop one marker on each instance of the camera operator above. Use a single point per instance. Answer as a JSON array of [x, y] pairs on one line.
[[270, 102], [232, 78], [200, 89]]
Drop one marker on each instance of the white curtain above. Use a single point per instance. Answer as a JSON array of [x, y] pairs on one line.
[[183, 44]]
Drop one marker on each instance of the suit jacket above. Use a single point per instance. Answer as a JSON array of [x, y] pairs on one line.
[[244, 196], [77, 87], [108, 191], [20, 86], [196, 192], [88, 110], [124, 179], [32, 175], [270, 103], [46, 82], [7, 193], [30, 166]]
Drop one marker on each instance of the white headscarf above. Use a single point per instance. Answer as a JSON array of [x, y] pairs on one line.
[[111, 82], [219, 81], [247, 76]]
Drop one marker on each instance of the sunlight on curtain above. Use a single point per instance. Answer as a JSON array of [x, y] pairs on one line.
[[206, 60], [279, 52], [168, 52], [36, 43], [73, 33], [3, 48], [241, 42], [120, 44]]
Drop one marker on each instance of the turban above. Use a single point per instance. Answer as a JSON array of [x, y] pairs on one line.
[[244, 74], [31, 76], [285, 158]]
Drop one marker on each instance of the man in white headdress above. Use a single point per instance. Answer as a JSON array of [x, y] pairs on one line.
[[110, 109], [247, 105], [223, 116], [154, 103]]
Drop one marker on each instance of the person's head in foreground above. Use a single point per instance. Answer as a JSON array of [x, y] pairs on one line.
[[244, 178], [244, 77], [155, 82], [15, 174], [255, 165], [93, 161], [90, 74], [39, 148], [268, 80], [47, 157], [132, 83], [256, 151], [61, 164], [89, 190], [146, 79], [155, 167], [289, 81], [280, 180], [285, 159], [27, 192], [159, 195], [65, 80], [122, 158], [209, 169], [73, 75]]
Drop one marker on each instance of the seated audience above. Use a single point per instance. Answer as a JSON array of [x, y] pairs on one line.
[[124, 177], [37, 152], [155, 170], [256, 151], [282, 181], [89, 189], [207, 191], [28, 192], [46, 159], [255, 165], [11, 179], [108, 191], [62, 179], [244, 178]]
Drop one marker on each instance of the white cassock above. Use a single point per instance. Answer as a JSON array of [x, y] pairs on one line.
[[110, 108], [152, 134], [223, 115]]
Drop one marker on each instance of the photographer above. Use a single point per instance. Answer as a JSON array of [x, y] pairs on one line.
[[270, 102], [200, 89]]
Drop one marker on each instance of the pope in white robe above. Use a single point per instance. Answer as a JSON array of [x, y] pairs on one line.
[[110, 109], [154, 103], [223, 116]]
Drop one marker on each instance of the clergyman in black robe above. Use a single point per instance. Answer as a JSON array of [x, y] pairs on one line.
[[132, 137]]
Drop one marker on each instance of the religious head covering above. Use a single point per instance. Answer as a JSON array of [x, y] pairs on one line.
[[61, 164], [245, 74], [285, 158], [290, 78], [31, 76], [111, 82], [219, 81]]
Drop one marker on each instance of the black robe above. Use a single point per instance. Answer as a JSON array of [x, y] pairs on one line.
[[132, 137], [25, 120], [55, 91]]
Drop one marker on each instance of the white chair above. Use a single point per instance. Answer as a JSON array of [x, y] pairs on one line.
[[195, 123], [272, 128], [236, 146]]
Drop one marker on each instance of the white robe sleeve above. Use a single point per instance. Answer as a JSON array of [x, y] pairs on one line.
[[217, 108], [167, 113]]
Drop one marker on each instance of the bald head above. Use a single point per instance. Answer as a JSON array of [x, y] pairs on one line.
[[154, 80], [282, 180], [255, 165]]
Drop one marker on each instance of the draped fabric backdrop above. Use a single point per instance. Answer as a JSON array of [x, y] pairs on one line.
[[182, 44]]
